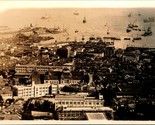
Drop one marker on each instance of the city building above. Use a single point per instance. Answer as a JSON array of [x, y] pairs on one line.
[[109, 51], [77, 100], [79, 113], [72, 77], [40, 68], [41, 115], [33, 90]]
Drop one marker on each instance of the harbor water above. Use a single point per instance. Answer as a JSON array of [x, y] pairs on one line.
[[99, 21]]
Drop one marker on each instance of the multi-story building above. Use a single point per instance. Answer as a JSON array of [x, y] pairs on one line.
[[79, 113], [40, 68], [68, 77], [34, 90], [77, 100]]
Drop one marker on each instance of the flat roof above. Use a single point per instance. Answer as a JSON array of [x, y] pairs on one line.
[[88, 109], [96, 116], [39, 113]]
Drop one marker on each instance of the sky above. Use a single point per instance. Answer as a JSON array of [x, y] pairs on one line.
[[7, 4]]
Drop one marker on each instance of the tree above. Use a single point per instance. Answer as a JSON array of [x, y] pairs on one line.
[[1, 101]]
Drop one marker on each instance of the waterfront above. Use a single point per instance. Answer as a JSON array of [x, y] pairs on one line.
[[99, 21], [64, 64]]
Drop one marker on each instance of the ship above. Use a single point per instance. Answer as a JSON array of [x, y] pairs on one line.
[[76, 13], [76, 31], [45, 17], [130, 15], [147, 32], [128, 30], [84, 20], [139, 14], [149, 20], [132, 26]]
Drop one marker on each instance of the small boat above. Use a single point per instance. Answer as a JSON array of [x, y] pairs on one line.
[[91, 38], [108, 32], [137, 38], [128, 30], [45, 17], [76, 31], [76, 13], [126, 38], [130, 15], [139, 14]]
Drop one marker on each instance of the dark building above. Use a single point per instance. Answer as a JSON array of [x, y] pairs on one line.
[[109, 51], [63, 52]]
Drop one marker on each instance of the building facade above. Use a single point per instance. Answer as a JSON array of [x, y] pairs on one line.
[[40, 68], [77, 100], [34, 90], [79, 113]]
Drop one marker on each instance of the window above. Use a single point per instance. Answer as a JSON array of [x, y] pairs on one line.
[[63, 102]]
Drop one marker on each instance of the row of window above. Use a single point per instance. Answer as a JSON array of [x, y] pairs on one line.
[[26, 69], [70, 115], [51, 81], [42, 91], [80, 103], [42, 88]]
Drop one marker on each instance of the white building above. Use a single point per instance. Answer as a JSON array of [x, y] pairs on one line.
[[34, 90]]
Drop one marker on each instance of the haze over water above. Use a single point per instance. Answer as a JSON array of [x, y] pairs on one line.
[[99, 21]]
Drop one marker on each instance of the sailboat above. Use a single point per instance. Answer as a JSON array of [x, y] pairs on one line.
[[84, 20], [139, 14], [45, 17], [108, 32]]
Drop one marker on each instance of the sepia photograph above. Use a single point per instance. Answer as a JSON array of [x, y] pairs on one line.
[[73, 62]]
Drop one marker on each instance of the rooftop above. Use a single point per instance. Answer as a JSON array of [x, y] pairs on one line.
[[87, 109], [9, 117], [6, 90], [95, 116]]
